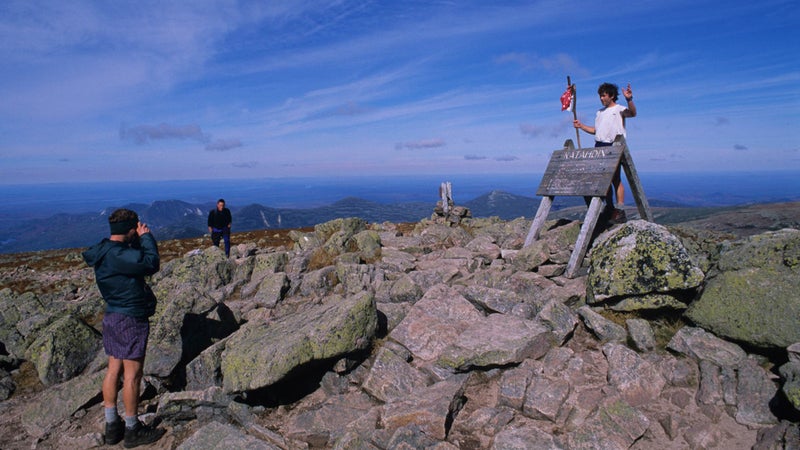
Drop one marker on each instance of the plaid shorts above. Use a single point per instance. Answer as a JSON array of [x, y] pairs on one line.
[[125, 337]]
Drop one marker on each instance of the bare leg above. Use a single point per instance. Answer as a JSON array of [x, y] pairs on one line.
[[111, 382], [132, 378], [620, 188]]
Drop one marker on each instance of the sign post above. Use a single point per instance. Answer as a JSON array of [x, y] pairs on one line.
[[585, 172]]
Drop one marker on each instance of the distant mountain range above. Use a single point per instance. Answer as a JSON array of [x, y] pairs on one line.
[[174, 219]]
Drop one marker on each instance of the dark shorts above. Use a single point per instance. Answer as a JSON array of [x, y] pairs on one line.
[[125, 337]]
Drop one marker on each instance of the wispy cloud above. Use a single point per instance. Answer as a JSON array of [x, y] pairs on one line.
[[221, 145], [535, 131], [106, 54], [531, 130], [349, 109], [558, 63], [418, 145], [506, 158], [330, 82], [142, 134]]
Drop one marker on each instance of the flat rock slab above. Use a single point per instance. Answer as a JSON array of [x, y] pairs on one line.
[[219, 436], [498, 340], [435, 322]]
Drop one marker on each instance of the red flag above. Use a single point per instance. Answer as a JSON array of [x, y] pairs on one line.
[[566, 100]]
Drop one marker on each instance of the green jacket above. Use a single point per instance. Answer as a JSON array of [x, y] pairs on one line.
[[119, 270]]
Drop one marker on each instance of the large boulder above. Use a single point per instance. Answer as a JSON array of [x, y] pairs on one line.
[[754, 297], [636, 259], [187, 321], [190, 315], [20, 317], [207, 270], [63, 350], [261, 354], [338, 236]]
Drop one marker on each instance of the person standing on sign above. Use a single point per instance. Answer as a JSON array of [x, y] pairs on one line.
[[219, 225], [608, 123]]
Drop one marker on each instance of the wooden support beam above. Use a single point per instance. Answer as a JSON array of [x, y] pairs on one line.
[[633, 180], [538, 221], [582, 244]]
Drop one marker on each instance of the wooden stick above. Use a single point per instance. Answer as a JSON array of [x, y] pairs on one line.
[[574, 109]]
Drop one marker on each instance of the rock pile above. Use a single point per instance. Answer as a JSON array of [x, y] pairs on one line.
[[374, 337]]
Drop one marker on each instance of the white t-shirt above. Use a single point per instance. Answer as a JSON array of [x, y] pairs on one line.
[[609, 123]]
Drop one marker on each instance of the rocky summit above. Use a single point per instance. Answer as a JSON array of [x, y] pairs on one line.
[[443, 334]]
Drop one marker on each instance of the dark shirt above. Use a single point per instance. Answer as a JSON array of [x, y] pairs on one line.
[[219, 219], [120, 269]]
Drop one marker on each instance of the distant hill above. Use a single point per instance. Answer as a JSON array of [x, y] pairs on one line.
[[173, 219]]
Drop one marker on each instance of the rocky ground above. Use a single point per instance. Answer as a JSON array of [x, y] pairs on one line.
[[554, 374], [63, 271]]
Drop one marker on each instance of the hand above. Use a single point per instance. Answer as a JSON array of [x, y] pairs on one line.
[[577, 124], [142, 228], [627, 92]]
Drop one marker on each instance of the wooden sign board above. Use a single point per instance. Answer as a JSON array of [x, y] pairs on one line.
[[585, 172]]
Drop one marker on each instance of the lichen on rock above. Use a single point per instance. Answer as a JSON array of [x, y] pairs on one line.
[[636, 259]]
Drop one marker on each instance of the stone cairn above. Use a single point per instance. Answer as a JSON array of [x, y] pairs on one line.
[[446, 212]]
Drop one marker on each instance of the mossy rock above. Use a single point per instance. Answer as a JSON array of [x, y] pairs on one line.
[[63, 350], [639, 258], [757, 306], [259, 355], [754, 297]]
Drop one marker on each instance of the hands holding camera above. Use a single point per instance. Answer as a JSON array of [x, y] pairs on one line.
[[142, 228]]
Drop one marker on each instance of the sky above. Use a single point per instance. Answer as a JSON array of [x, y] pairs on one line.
[[224, 89]]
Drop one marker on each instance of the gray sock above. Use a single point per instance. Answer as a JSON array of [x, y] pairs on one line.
[[111, 414], [130, 422]]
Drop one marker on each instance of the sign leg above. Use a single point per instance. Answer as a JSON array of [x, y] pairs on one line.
[[636, 186], [538, 220], [582, 244]]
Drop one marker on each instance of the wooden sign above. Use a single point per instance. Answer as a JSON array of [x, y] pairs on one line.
[[585, 172]]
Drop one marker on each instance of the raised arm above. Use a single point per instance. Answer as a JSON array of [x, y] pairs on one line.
[[628, 93]]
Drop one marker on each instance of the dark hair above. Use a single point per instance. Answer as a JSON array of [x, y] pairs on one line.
[[123, 215], [122, 221], [222, 200], [611, 89]]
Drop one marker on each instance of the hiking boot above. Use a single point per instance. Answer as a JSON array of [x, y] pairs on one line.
[[618, 216], [142, 434], [114, 432]]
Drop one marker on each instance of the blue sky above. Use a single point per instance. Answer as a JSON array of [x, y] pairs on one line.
[[153, 90]]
